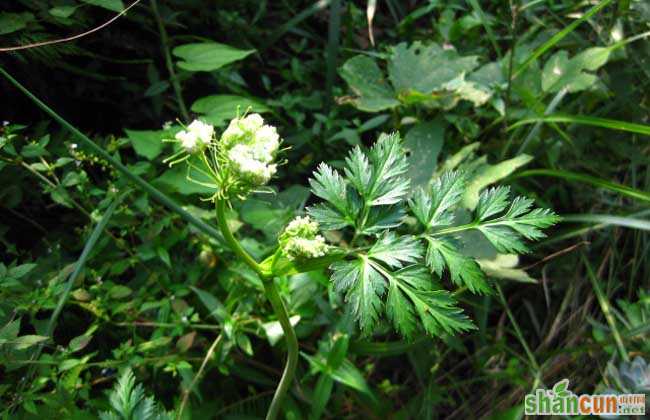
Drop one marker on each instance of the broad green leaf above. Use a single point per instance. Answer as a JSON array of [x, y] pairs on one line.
[[349, 375], [26, 341], [219, 108], [148, 143], [212, 304], [321, 395], [489, 174], [560, 72], [175, 180], [423, 143], [12, 22], [63, 11], [20, 271], [207, 56], [372, 90], [426, 68], [114, 5], [468, 90]]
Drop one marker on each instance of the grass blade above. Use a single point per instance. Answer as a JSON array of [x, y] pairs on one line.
[[81, 262], [585, 120], [587, 179], [559, 36], [607, 220]]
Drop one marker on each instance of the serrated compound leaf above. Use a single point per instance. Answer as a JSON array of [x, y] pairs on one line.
[[443, 255], [389, 164], [363, 287], [330, 186], [372, 90], [492, 201], [396, 251], [328, 218], [381, 218], [503, 239], [435, 208], [436, 309], [359, 171]]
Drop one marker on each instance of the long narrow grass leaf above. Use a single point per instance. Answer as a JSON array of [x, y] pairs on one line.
[[587, 179], [642, 129], [609, 220], [559, 36]]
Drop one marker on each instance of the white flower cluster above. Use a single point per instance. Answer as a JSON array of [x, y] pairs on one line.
[[300, 239], [197, 135], [250, 147]]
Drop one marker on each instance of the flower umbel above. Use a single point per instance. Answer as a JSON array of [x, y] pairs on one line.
[[300, 240], [196, 136], [250, 148]]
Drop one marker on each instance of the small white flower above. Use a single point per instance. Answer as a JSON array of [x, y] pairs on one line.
[[189, 141], [167, 125], [202, 131], [5, 123], [251, 122]]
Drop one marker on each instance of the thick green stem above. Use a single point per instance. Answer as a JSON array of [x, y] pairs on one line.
[[279, 309], [292, 349]]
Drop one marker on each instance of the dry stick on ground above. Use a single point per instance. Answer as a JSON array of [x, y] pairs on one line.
[[70, 38]]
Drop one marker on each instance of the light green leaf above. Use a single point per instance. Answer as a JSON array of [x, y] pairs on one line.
[[148, 143], [560, 72], [114, 5], [426, 69], [423, 143], [489, 174], [175, 180], [26, 341], [219, 108], [12, 22], [208, 56], [62, 11], [212, 304], [373, 93], [274, 330], [503, 266]]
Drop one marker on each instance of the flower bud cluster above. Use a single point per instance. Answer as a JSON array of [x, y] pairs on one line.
[[250, 147], [300, 239]]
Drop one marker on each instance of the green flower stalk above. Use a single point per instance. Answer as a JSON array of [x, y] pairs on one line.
[[240, 162]]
